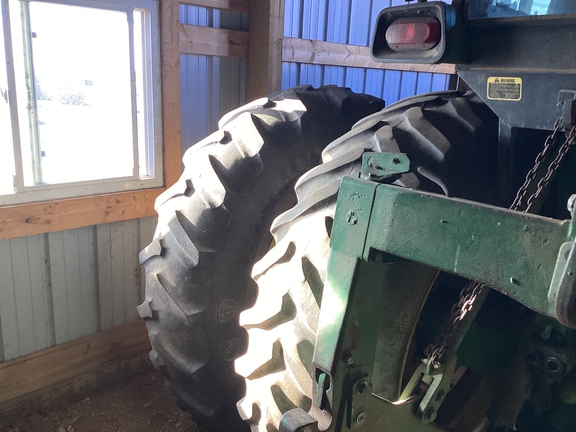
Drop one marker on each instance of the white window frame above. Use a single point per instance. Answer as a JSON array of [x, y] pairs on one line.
[[152, 103]]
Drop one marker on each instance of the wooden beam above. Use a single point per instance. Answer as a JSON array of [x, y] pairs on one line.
[[266, 31], [335, 54], [50, 216], [235, 5], [73, 367], [58, 215], [213, 41]]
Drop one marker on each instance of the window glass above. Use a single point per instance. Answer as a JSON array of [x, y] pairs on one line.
[[80, 110], [145, 120], [485, 9], [82, 93], [6, 150]]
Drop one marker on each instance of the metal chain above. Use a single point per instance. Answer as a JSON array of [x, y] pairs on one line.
[[553, 167], [548, 144], [470, 293]]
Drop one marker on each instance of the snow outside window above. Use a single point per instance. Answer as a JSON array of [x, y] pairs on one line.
[[79, 108]]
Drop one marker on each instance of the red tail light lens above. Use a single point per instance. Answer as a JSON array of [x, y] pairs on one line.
[[413, 34]]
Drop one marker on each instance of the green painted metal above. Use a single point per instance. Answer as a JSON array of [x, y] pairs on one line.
[[369, 314], [381, 313], [349, 231], [515, 253], [387, 245]]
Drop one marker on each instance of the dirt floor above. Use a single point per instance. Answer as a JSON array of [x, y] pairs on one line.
[[139, 404]]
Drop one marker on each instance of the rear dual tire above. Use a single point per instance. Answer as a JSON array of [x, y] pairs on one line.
[[450, 139], [212, 225]]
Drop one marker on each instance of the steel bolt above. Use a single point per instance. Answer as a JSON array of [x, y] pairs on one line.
[[360, 418], [361, 387], [430, 415], [351, 218]]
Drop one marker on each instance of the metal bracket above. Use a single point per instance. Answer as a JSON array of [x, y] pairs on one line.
[[381, 166], [562, 292], [567, 103]]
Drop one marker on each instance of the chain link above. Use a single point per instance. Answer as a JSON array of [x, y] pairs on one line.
[[470, 293], [548, 144], [552, 168]]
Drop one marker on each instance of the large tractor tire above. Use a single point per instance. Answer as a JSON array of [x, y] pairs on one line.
[[450, 139], [212, 224]]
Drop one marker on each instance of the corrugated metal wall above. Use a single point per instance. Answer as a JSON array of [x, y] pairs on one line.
[[349, 22], [61, 286], [210, 86]]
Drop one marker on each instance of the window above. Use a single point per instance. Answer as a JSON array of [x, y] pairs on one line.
[[482, 9], [79, 98]]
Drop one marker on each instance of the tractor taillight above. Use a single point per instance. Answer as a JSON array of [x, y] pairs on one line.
[[413, 34]]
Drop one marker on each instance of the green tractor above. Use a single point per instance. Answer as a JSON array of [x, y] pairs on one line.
[[327, 264]]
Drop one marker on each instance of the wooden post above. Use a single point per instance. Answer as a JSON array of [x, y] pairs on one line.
[[170, 40], [266, 32]]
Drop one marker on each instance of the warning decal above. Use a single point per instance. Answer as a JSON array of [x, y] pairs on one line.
[[504, 88]]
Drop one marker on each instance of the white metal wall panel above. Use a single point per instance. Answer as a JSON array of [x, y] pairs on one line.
[[147, 229], [61, 286], [25, 300], [119, 286], [72, 272]]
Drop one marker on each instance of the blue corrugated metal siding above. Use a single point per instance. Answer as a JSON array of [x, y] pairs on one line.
[[209, 86], [349, 22], [209, 17]]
